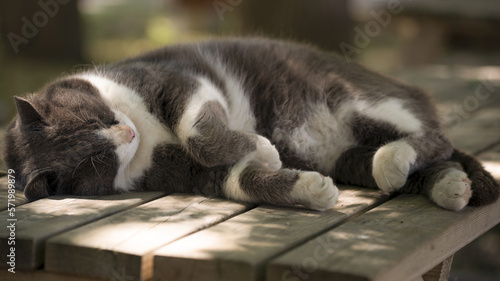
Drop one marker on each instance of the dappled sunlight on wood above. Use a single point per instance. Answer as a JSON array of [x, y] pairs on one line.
[[389, 237], [493, 167], [47, 217], [244, 243], [133, 233]]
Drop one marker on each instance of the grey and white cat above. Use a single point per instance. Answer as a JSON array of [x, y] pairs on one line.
[[252, 120]]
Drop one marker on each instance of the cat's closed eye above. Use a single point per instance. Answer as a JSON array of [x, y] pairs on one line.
[[112, 122]]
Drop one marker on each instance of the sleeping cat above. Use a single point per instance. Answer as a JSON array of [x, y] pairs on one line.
[[251, 120]]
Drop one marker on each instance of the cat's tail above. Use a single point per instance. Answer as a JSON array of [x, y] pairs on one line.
[[485, 190]]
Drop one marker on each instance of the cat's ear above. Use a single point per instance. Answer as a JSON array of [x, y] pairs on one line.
[[38, 187], [27, 112]]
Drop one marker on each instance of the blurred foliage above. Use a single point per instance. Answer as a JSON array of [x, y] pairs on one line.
[[118, 31], [112, 31], [21, 77]]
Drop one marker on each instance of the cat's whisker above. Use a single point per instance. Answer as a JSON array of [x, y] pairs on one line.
[[95, 168], [101, 157], [78, 165]]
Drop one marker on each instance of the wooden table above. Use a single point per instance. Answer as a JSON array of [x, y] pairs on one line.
[[368, 235]]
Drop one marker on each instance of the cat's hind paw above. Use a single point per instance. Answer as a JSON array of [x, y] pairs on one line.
[[391, 165], [315, 191], [453, 191]]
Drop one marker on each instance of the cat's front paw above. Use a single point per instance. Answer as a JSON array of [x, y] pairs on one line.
[[453, 191], [315, 191], [266, 157], [391, 165]]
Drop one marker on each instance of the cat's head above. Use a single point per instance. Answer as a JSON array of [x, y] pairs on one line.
[[66, 140]]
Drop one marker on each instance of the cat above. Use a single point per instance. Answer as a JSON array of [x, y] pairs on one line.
[[248, 119]]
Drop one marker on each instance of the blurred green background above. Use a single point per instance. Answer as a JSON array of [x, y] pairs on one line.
[[418, 41]]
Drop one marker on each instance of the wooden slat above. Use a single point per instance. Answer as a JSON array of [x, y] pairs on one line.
[[472, 123], [491, 161], [39, 220], [237, 249], [399, 240], [440, 272], [19, 195], [479, 131], [2, 139], [126, 241], [478, 10], [42, 275]]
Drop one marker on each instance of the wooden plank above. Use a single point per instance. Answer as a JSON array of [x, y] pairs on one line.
[[237, 249], [42, 275], [467, 105], [399, 240], [491, 161], [2, 139], [479, 10], [440, 272], [19, 195], [479, 131], [39, 220], [126, 241]]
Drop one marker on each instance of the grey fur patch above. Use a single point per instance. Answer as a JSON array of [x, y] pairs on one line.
[[269, 187], [215, 144]]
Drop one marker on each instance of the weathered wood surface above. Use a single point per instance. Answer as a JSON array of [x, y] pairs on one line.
[[239, 248], [491, 161], [4, 194], [399, 240], [440, 272], [3, 168], [482, 9], [42, 275], [479, 131], [39, 220], [126, 241]]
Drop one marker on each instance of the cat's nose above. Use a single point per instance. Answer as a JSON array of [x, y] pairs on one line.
[[131, 134]]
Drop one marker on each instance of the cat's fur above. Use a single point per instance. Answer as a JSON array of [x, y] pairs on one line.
[[252, 120]]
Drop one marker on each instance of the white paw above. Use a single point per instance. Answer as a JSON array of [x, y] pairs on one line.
[[391, 165], [315, 191], [453, 191], [265, 157]]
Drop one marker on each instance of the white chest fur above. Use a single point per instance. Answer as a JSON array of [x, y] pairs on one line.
[[323, 137], [326, 135], [150, 132], [240, 115]]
